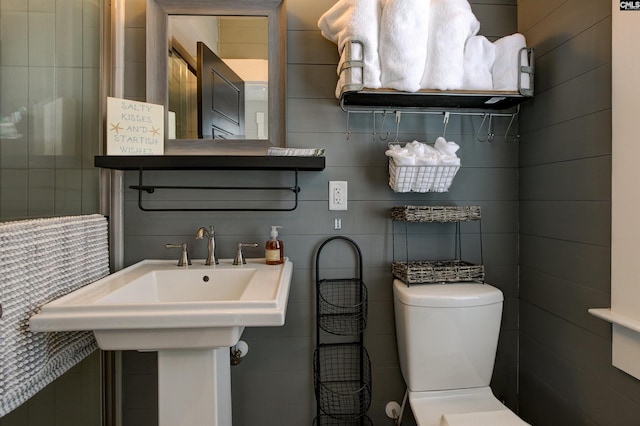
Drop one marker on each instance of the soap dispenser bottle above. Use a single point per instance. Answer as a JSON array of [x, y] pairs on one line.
[[274, 248]]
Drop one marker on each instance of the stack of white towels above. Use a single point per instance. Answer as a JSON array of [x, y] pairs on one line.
[[423, 44], [420, 175], [442, 153]]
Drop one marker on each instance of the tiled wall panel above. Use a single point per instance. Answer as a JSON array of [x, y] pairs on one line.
[[566, 375], [273, 384], [49, 61]]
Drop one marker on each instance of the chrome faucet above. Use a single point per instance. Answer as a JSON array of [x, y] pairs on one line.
[[211, 245], [239, 259]]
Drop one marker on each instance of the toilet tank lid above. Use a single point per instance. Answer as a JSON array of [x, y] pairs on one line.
[[447, 295]]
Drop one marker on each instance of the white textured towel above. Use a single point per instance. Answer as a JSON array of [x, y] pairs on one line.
[[404, 33], [356, 20], [451, 23], [41, 260], [479, 56], [505, 68], [295, 152]]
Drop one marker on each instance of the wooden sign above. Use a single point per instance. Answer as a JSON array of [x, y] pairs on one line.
[[134, 128]]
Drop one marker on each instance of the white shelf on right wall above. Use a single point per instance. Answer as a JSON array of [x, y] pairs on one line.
[[624, 313]]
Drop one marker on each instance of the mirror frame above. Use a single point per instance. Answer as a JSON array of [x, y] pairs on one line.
[[158, 12]]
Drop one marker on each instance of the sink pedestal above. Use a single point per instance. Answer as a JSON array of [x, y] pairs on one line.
[[194, 387]]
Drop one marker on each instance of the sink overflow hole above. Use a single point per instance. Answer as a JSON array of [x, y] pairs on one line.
[[205, 278]]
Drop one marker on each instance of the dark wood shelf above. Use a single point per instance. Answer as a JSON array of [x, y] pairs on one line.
[[209, 162], [144, 163], [431, 99]]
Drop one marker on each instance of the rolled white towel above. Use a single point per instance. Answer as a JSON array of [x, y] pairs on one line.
[[428, 160], [446, 148], [397, 150], [451, 23], [505, 67], [479, 56], [403, 43], [447, 151], [449, 160], [404, 160], [401, 156], [356, 20]]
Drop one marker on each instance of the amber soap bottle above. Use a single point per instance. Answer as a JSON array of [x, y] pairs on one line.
[[274, 248]]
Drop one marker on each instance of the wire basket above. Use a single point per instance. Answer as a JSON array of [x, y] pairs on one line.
[[324, 420], [342, 380], [437, 271], [443, 214], [420, 178], [342, 306]]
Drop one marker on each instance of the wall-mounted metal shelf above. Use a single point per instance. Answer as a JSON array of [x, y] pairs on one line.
[[211, 162], [355, 97]]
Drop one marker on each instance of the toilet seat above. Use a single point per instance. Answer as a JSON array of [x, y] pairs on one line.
[[483, 418], [461, 407]]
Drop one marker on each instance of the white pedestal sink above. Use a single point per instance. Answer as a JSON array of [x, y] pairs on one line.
[[190, 316]]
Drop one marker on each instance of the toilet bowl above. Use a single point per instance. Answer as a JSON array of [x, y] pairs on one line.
[[447, 335]]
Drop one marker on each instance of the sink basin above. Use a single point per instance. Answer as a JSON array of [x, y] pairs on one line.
[[190, 316], [193, 285], [155, 305]]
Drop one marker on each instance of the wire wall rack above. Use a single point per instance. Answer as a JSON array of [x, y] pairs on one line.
[[341, 365]]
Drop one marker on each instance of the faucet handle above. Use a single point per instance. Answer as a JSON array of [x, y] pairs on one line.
[[239, 259], [184, 256]]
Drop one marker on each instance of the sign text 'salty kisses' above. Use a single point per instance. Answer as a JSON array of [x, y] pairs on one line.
[[134, 128]]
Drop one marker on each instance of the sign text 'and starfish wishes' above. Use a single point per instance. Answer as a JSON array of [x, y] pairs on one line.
[[134, 128]]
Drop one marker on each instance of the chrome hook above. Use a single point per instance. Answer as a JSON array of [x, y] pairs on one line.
[[398, 117], [445, 121], [374, 125], [490, 135], [484, 118], [384, 117], [348, 129], [506, 134]]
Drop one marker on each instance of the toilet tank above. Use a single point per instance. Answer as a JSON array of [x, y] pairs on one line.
[[447, 334]]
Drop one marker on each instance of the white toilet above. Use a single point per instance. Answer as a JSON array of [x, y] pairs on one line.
[[447, 336]]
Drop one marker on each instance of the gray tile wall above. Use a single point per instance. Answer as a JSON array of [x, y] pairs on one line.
[[49, 64], [274, 383], [566, 377], [50, 52]]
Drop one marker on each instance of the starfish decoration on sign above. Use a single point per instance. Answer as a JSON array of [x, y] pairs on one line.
[[116, 127]]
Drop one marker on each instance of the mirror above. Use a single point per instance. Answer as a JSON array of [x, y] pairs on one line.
[[171, 55], [218, 77]]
